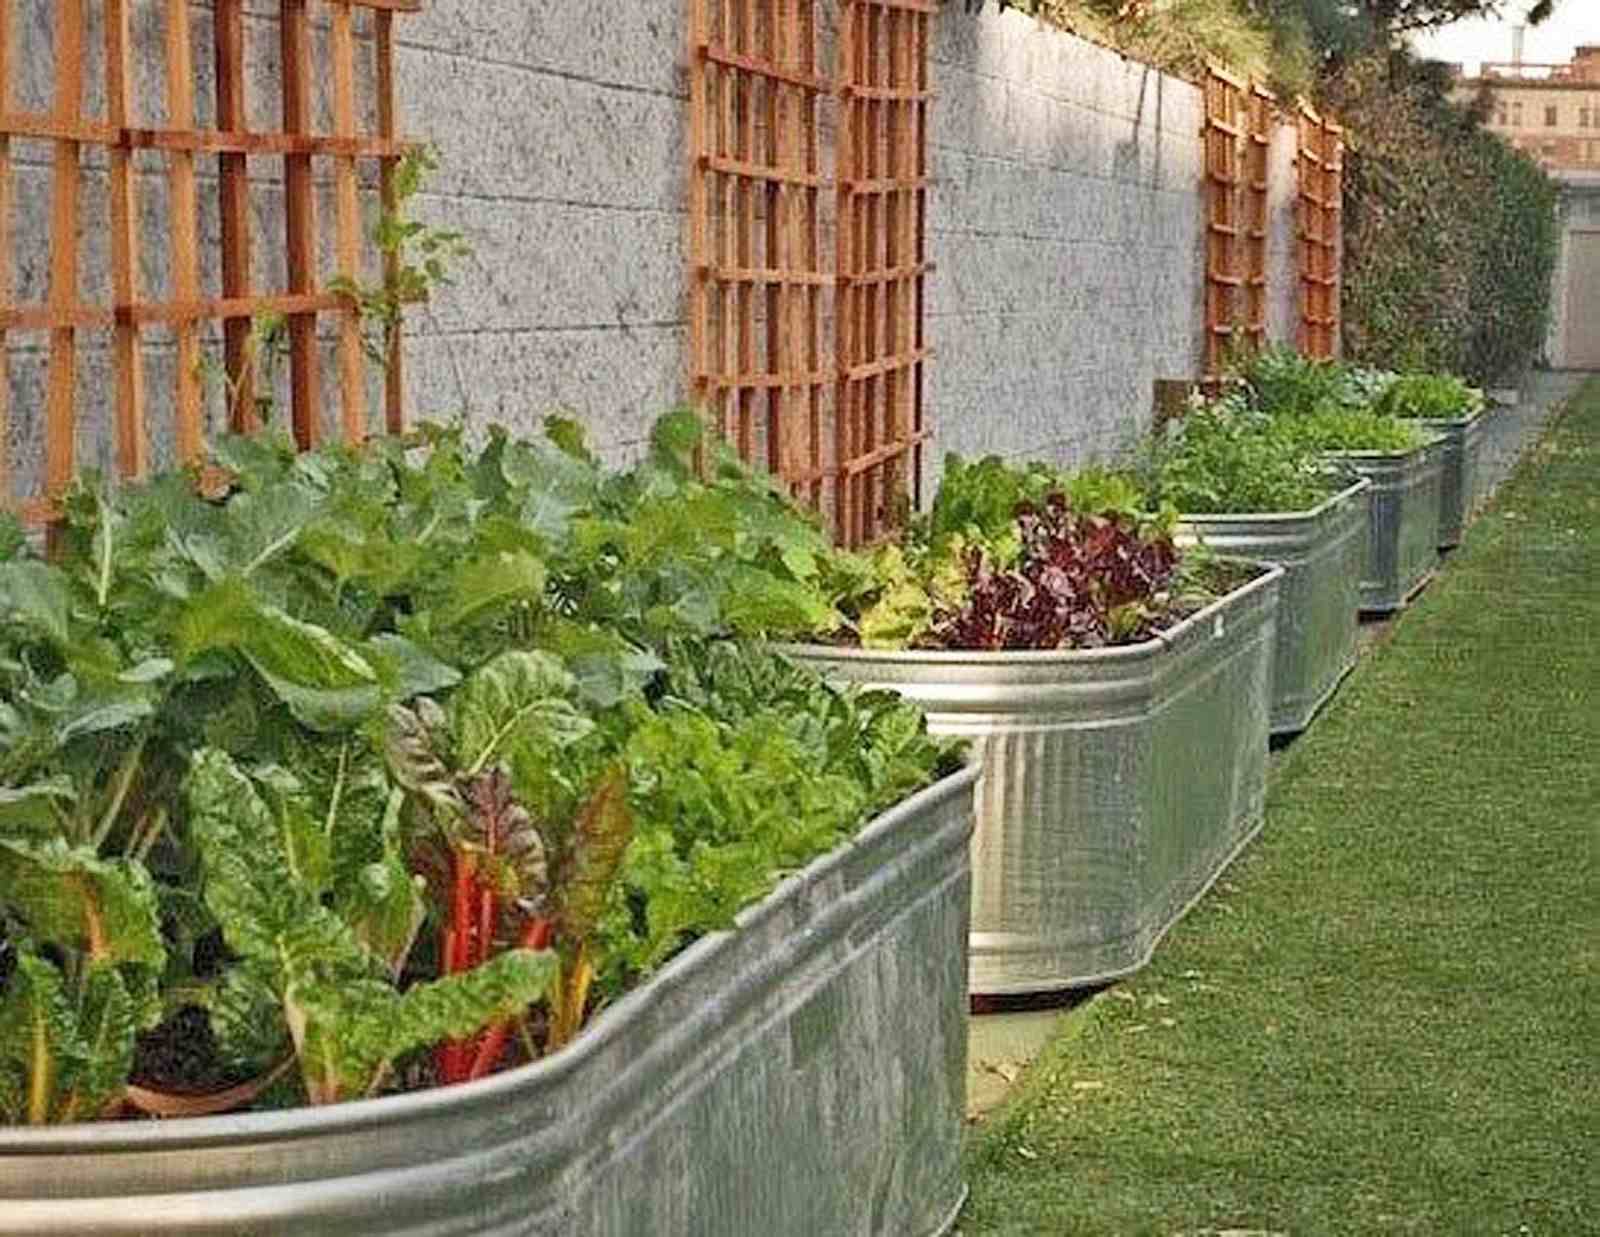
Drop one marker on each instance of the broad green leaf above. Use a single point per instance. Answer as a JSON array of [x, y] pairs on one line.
[[384, 903], [13, 541], [352, 551], [569, 435], [519, 700], [37, 595], [348, 1034], [549, 486], [302, 830], [94, 709], [106, 907], [246, 1014], [106, 1027], [607, 668], [264, 912], [325, 682], [674, 439], [406, 668], [486, 583], [263, 525], [151, 670], [32, 808], [255, 460], [39, 1040], [757, 603]]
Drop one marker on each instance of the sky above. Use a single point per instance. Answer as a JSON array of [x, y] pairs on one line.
[[1471, 42]]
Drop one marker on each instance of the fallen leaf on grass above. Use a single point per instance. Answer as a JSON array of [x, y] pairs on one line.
[[1086, 1084]]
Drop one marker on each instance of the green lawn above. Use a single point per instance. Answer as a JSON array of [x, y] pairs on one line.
[[1386, 1019]]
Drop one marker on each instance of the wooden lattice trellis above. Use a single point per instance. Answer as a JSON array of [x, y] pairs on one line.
[[1225, 235], [883, 184], [756, 195], [811, 363], [131, 319], [1321, 196]]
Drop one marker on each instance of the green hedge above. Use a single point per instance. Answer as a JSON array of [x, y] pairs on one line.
[[1450, 234]]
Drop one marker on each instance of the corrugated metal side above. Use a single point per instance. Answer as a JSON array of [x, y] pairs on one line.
[[1321, 552], [1117, 782], [1458, 482], [802, 1075], [1402, 522]]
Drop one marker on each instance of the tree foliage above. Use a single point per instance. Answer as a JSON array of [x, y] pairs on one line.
[[1450, 234]]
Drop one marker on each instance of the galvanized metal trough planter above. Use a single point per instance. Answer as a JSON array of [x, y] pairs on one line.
[[1458, 480], [804, 1074], [1320, 551], [1117, 783], [1402, 522]]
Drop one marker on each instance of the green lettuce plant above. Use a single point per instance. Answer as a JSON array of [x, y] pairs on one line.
[[1439, 397]]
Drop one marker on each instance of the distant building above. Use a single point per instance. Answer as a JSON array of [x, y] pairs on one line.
[[1552, 111]]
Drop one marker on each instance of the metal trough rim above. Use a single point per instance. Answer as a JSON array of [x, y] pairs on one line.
[[1359, 486]]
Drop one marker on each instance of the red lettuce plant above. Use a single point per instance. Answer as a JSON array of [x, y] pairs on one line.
[[1080, 581]]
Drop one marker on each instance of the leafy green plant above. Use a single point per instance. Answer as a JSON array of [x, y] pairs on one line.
[[1336, 430], [1226, 457], [326, 944], [418, 257], [380, 751], [748, 767], [1021, 556], [504, 876], [1430, 396]]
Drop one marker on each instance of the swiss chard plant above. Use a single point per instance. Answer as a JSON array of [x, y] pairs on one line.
[[391, 765]]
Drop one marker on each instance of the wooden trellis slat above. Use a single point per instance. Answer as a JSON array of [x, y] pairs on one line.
[[1261, 106], [60, 429], [757, 277], [300, 224], [234, 190], [394, 359], [130, 319], [880, 340], [347, 213], [185, 238], [1320, 207], [132, 451], [1226, 228]]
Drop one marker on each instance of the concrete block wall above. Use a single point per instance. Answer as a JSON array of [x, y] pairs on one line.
[[1065, 220], [562, 129], [1283, 245], [1067, 227]]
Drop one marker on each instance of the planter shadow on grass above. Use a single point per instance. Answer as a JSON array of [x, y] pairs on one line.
[[803, 1074]]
